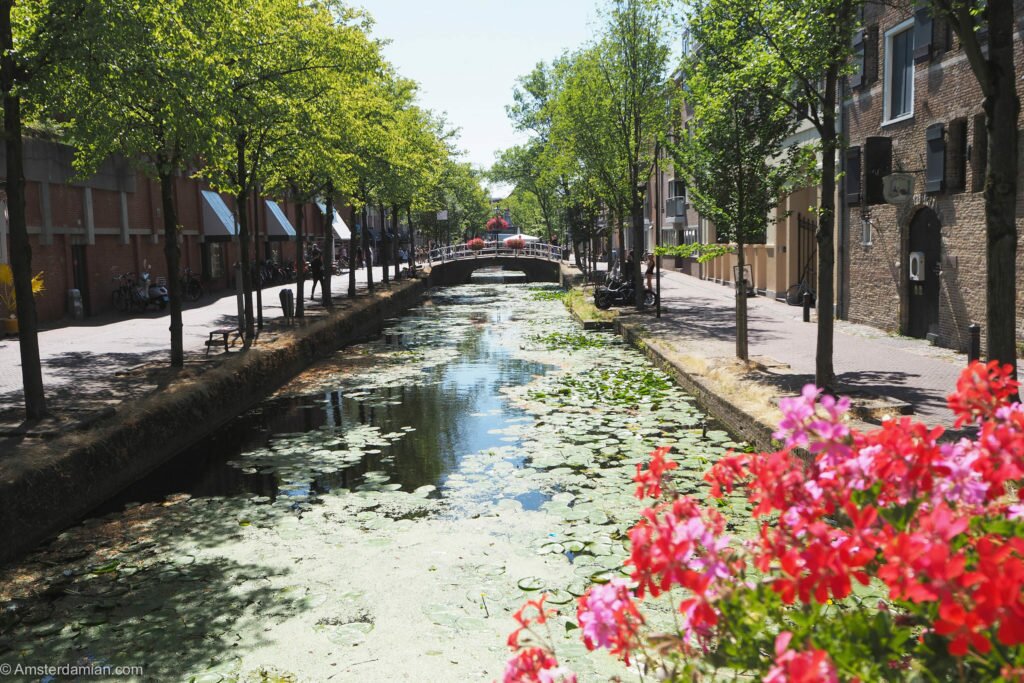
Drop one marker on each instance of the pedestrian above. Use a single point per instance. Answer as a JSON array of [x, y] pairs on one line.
[[628, 267], [650, 270], [316, 266]]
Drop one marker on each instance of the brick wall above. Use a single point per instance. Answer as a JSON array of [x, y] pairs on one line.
[[945, 91]]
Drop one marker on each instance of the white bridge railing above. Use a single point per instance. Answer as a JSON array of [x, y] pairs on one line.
[[461, 252]]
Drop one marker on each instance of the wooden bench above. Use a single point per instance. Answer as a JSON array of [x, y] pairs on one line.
[[227, 340]]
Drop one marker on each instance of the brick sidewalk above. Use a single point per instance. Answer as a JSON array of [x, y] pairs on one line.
[[109, 359], [701, 318]]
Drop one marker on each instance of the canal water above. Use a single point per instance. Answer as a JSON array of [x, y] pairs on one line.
[[381, 516]]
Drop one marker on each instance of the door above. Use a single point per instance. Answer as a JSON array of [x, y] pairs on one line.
[[923, 294], [80, 275]]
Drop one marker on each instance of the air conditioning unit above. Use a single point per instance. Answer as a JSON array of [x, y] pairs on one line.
[[916, 266]]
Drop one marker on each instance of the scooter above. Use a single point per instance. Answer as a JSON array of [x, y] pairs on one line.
[[619, 292], [155, 293]]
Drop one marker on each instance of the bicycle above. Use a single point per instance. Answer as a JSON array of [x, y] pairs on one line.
[[191, 288], [795, 294]]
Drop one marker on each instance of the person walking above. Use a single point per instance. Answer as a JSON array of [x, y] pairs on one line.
[[316, 267], [650, 270]]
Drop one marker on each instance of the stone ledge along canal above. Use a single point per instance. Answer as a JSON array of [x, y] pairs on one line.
[[381, 516]]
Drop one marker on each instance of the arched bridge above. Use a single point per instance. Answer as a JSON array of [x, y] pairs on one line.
[[454, 265]]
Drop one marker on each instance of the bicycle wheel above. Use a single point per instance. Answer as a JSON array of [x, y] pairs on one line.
[[650, 298], [793, 295], [119, 300], [602, 300]]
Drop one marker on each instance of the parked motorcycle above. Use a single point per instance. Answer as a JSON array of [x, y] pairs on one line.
[[620, 292]]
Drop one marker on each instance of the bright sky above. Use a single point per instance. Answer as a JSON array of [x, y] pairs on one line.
[[467, 54]]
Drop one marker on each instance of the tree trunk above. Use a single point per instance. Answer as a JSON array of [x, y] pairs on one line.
[[300, 258], [369, 242], [257, 200], [1002, 107], [242, 210], [638, 240], [742, 341], [327, 253], [21, 251], [824, 373], [385, 242], [412, 240], [172, 252], [394, 244], [353, 245]]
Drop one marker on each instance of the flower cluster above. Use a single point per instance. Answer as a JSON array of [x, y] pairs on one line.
[[497, 224], [476, 244], [937, 527], [515, 243], [533, 662]]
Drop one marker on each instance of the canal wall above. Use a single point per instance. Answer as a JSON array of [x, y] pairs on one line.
[[65, 479], [738, 421]]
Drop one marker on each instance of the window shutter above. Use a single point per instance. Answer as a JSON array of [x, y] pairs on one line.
[[922, 33], [956, 174], [979, 154], [853, 175], [877, 164], [935, 170], [857, 77], [871, 55]]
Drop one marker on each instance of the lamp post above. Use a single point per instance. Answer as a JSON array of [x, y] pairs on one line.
[[657, 230]]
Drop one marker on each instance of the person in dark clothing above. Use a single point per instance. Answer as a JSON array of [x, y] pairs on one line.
[[650, 270], [316, 267], [628, 267]]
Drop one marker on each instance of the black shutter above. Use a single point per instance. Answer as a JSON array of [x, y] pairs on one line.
[[935, 171], [871, 55], [922, 33], [979, 154], [853, 175], [857, 77], [877, 165], [956, 175]]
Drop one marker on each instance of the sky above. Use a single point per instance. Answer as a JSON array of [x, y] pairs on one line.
[[467, 54]]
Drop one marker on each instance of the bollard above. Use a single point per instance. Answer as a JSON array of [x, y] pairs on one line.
[[807, 307], [974, 350], [288, 303]]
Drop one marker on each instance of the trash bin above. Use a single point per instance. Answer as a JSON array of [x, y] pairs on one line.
[[288, 303], [75, 308]]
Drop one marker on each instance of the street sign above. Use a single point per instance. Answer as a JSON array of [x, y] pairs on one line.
[[898, 188], [442, 215]]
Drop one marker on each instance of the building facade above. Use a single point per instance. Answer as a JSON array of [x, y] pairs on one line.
[[85, 233], [916, 264]]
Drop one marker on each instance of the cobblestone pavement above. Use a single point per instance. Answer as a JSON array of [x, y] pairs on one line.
[[866, 359], [108, 359]]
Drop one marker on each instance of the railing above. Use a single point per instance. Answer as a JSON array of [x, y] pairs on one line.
[[461, 252]]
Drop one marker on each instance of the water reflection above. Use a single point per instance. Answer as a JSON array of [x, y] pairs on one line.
[[451, 409]]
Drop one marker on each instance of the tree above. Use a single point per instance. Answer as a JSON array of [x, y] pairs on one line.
[[807, 44], [28, 36], [139, 79], [994, 69], [731, 152]]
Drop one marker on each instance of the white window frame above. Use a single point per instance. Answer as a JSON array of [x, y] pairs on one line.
[[907, 25]]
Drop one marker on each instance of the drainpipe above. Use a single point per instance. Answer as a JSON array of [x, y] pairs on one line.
[[842, 215]]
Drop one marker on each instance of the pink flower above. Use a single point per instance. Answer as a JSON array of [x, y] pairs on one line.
[[610, 618], [810, 666], [536, 665]]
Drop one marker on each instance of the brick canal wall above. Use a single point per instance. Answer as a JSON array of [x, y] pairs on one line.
[[41, 495]]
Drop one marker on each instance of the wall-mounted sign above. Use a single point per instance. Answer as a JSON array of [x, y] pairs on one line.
[[898, 188], [442, 215]]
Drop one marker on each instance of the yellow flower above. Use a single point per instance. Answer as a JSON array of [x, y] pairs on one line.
[[7, 294]]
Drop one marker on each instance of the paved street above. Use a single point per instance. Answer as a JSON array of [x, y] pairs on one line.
[[866, 359], [111, 358]]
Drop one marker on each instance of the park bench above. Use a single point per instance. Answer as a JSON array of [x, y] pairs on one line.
[[228, 337]]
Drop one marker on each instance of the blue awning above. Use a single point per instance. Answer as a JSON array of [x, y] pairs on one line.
[[278, 225], [218, 221]]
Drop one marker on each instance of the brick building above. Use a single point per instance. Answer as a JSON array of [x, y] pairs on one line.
[[85, 233], [914, 107]]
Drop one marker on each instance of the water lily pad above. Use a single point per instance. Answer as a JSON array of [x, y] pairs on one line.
[[530, 583]]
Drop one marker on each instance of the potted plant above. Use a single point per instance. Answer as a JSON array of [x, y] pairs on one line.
[[9, 300], [497, 224], [475, 244], [515, 243]]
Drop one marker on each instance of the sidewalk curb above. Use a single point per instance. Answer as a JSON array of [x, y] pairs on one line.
[[42, 493]]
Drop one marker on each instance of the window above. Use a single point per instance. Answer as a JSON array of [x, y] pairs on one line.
[[899, 72], [865, 231], [979, 154]]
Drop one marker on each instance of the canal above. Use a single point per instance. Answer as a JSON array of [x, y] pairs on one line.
[[381, 516]]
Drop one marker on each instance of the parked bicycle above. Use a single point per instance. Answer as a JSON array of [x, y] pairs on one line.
[[191, 287]]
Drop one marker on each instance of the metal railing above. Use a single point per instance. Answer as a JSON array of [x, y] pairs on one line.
[[461, 252]]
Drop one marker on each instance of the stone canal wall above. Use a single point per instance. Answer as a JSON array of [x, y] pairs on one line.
[[41, 495]]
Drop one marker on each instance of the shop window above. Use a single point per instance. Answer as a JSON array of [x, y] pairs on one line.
[[899, 72]]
